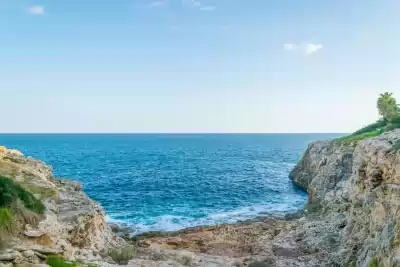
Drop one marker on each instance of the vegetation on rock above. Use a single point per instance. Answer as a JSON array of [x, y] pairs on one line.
[[58, 261], [387, 106], [10, 192], [121, 255], [390, 120], [6, 220], [373, 263]]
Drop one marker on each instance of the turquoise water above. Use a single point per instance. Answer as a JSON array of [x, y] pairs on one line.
[[168, 182]]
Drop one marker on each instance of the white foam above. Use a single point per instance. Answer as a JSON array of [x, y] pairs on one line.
[[174, 223]]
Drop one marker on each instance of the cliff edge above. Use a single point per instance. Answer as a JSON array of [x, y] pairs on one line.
[[41, 215], [357, 188]]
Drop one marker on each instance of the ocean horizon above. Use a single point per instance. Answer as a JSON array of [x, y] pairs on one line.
[[171, 181]]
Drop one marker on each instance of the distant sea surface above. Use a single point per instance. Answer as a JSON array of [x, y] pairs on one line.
[[167, 182]]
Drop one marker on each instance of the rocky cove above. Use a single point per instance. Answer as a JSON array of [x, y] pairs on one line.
[[351, 219]]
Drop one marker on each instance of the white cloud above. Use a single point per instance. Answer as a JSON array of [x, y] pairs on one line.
[[197, 4], [289, 46], [308, 48], [193, 3], [157, 3], [312, 48], [36, 10], [208, 8]]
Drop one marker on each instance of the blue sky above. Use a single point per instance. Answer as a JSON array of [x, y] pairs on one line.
[[196, 66]]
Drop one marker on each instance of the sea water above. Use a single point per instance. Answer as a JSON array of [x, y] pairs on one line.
[[167, 182]]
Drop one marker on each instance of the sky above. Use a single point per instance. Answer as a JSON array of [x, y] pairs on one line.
[[196, 66]]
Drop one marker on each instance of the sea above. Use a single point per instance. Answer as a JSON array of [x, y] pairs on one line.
[[168, 182]]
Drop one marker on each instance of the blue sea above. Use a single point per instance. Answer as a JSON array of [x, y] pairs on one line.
[[167, 182]]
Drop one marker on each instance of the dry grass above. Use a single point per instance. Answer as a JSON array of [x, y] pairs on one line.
[[25, 216], [121, 255]]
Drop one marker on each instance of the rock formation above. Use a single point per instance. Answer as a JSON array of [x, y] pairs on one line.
[[356, 187], [72, 226]]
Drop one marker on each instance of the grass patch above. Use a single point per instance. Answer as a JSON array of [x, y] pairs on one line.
[[372, 127], [372, 130], [58, 261], [355, 138], [10, 192], [6, 219], [373, 263]]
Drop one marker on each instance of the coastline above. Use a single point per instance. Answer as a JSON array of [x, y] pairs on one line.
[[352, 218]]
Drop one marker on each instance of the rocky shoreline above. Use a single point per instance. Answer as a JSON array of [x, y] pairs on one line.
[[351, 219]]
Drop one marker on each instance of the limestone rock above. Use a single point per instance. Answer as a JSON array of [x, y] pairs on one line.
[[33, 233], [14, 152], [28, 253], [361, 184], [9, 255]]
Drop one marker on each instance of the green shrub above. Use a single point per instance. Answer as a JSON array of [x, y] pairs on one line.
[[6, 220], [373, 263], [354, 138], [121, 255], [372, 127], [395, 120], [58, 261], [10, 192]]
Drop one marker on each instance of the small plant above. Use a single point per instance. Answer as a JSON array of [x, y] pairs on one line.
[[6, 220], [58, 261], [373, 263], [121, 255]]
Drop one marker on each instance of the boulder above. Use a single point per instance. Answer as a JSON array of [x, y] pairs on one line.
[[14, 152]]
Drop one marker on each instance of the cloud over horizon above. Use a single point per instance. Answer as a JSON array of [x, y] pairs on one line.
[[36, 10], [308, 48]]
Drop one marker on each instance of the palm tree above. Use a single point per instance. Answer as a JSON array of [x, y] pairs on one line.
[[387, 106]]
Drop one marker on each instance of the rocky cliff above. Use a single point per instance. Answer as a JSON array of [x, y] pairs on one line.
[[356, 188], [72, 225]]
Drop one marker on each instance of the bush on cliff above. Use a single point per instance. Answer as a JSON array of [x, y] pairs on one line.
[[390, 120], [121, 255], [11, 192]]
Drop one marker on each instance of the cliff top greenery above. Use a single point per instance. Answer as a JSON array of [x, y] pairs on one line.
[[389, 111]]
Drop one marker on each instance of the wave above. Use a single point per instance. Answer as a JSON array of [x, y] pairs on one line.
[[170, 223]]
